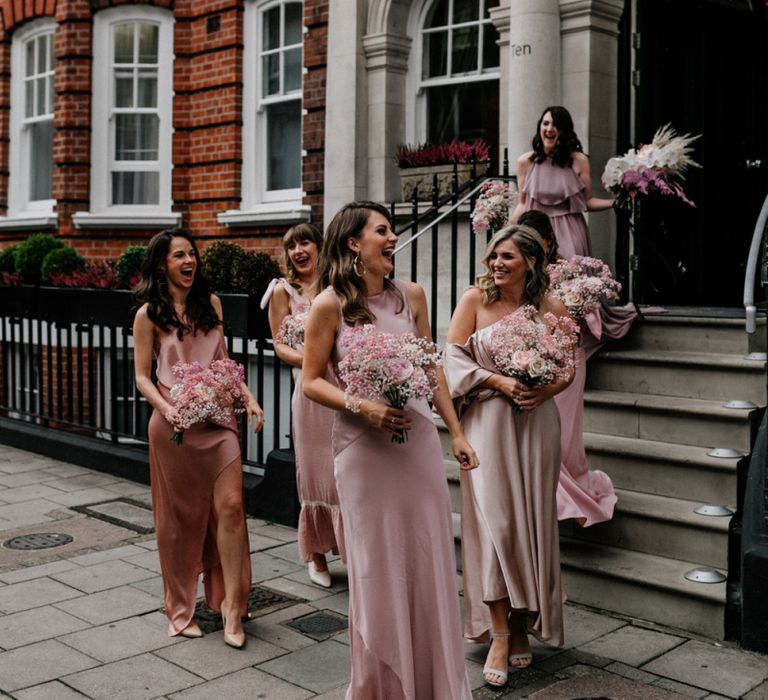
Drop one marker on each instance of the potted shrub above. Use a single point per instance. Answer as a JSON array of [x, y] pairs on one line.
[[420, 163]]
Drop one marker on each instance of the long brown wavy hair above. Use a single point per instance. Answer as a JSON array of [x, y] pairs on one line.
[[336, 262], [567, 142], [152, 289], [540, 222], [298, 234], [531, 247]]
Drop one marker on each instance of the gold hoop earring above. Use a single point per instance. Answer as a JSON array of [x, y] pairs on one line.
[[354, 266]]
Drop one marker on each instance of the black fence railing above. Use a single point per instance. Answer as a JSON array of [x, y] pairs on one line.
[[66, 362]]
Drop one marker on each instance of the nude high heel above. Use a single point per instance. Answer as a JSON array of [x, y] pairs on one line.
[[236, 641], [488, 671]]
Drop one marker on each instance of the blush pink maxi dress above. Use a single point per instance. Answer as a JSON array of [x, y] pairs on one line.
[[587, 496], [509, 535], [321, 527], [404, 621], [183, 477]]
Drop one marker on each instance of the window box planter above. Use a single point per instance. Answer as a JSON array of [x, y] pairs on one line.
[[423, 179]]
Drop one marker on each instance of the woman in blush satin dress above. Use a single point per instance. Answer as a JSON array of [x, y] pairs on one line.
[[197, 487], [585, 495], [320, 521], [404, 623], [509, 534], [555, 178]]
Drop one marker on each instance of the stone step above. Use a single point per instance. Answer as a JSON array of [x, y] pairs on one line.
[[701, 422], [641, 585], [695, 375], [693, 334], [676, 471], [659, 525]]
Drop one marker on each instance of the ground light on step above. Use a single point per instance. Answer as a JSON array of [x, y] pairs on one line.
[[705, 575], [726, 453], [739, 403], [713, 510]]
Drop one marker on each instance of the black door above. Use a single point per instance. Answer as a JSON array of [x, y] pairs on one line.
[[703, 67]]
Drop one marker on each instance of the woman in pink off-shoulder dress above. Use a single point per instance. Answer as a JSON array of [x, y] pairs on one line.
[[320, 521], [404, 624], [197, 487]]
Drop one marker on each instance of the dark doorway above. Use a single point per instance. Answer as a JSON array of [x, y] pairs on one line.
[[702, 65]]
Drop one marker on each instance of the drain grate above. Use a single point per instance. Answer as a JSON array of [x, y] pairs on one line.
[[259, 600], [123, 512], [38, 540], [319, 625]]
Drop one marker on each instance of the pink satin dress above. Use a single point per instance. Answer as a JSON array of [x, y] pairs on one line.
[[321, 527], [183, 478], [404, 621], [509, 535]]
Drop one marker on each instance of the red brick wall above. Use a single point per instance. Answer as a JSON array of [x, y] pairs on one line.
[[207, 118]]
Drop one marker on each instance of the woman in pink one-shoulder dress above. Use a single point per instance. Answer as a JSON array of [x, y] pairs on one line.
[[197, 487], [509, 535], [555, 178], [320, 521], [405, 628]]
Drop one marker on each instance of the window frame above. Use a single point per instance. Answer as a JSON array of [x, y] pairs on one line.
[[19, 203], [103, 132]]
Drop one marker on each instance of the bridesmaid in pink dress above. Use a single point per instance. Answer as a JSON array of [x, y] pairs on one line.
[[509, 534], [405, 629], [586, 496], [197, 487], [320, 521], [555, 178]]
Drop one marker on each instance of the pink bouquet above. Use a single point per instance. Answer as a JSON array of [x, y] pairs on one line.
[[493, 207], [655, 168], [206, 394], [395, 367], [292, 329], [533, 352], [582, 284]]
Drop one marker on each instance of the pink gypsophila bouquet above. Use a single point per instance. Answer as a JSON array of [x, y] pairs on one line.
[[292, 329], [655, 168], [390, 366], [582, 284], [492, 209], [533, 352], [206, 394]]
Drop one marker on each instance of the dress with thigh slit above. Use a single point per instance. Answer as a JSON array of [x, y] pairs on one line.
[[183, 478]]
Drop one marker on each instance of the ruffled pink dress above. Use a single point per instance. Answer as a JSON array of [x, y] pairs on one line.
[[183, 477], [509, 536], [321, 526], [404, 621]]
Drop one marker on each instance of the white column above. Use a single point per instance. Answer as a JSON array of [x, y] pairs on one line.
[[500, 18], [533, 68], [346, 124]]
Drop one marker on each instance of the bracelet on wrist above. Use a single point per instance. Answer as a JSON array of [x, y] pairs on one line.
[[352, 403]]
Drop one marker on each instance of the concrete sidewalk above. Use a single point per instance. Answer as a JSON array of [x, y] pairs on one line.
[[84, 619]]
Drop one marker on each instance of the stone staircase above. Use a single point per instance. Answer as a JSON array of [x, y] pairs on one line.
[[653, 409]]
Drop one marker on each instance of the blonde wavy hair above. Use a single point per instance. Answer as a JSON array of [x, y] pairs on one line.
[[337, 262], [298, 234], [530, 245]]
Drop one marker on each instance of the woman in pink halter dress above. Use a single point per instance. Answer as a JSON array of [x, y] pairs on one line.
[[320, 522], [197, 487], [555, 178], [405, 629]]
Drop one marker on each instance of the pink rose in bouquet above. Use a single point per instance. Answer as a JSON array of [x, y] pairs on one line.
[[391, 366], [535, 352], [582, 284], [493, 207], [201, 394]]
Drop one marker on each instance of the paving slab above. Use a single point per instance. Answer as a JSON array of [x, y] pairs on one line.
[[39, 663], [30, 492], [55, 690], [82, 497], [271, 628], [110, 554], [210, 658], [582, 626], [64, 470], [108, 606], [83, 481], [36, 625], [34, 594], [128, 488], [248, 683], [264, 566], [288, 551], [682, 689], [127, 513], [602, 687], [758, 693], [30, 572], [119, 640], [276, 532], [34, 476], [99, 577], [138, 678], [146, 560], [321, 667], [338, 603], [632, 645], [717, 669], [294, 588], [338, 571], [259, 543]]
